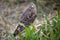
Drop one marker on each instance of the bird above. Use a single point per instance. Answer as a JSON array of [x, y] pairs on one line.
[[28, 17]]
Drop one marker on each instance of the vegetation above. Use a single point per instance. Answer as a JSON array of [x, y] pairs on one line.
[[50, 30]]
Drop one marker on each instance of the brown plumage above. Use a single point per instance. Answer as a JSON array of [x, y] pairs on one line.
[[27, 17]]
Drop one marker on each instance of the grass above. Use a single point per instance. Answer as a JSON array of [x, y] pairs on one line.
[[48, 31]]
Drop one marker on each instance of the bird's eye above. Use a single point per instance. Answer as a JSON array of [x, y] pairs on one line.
[[32, 5]]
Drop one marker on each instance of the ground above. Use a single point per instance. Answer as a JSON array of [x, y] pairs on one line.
[[10, 13]]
